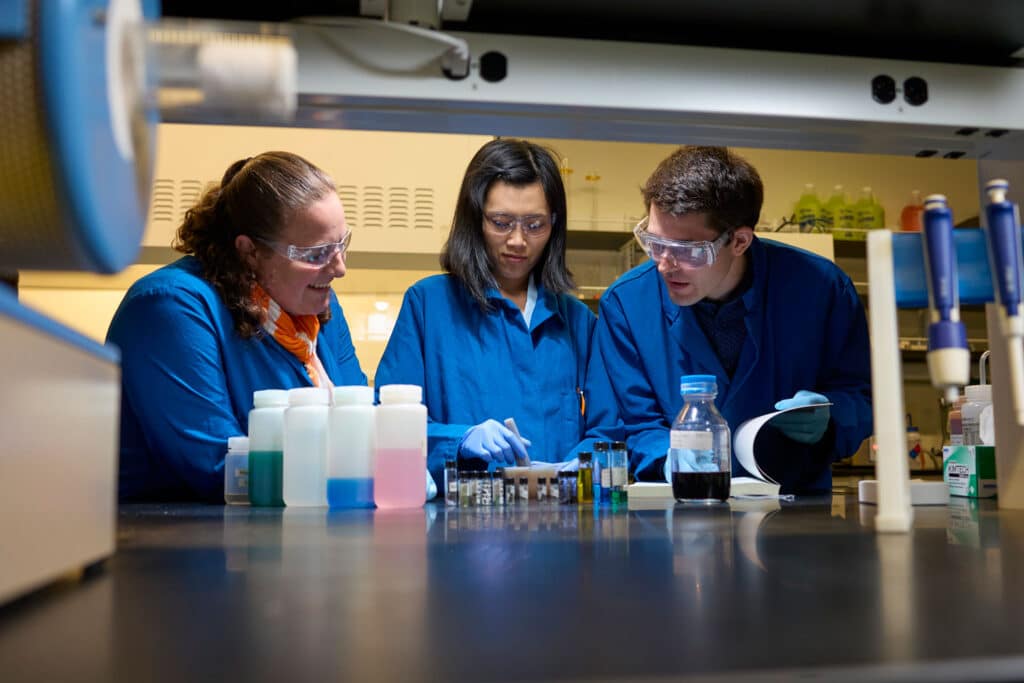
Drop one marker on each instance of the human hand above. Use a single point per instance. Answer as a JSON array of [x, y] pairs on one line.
[[803, 426], [492, 441]]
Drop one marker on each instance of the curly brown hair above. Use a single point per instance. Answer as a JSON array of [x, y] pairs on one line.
[[256, 197]]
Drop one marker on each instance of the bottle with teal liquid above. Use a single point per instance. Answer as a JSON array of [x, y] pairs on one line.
[[266, 447]]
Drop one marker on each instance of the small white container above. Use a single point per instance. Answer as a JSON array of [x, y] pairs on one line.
[[351, 438], [304, 481], [401, 458]]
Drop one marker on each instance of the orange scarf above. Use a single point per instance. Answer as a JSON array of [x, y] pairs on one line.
[[297, 334]]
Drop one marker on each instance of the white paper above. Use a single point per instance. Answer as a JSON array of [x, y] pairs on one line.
[[746, 434]]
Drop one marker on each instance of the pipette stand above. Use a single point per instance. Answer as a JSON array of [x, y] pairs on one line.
[[896, 278]]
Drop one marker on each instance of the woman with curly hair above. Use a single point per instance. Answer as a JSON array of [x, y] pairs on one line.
[[248, 307]]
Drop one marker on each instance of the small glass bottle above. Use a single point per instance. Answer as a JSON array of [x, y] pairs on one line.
[[236, 471], [542, 489], [466, 489], [451, 483], [585, 478], [699, 444], [602, 472], [554, 489], [572, 479], [619, 459], [510, 490], [485, 489], [524, 490], [498, 487]]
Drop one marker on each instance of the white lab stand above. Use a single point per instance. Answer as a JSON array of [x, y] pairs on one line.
[[896, 278]]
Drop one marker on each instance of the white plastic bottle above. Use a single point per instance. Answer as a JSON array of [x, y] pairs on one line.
[[351, 436], [978, 397], [305, 447], [236, 471], [401, 447], [266, 449]]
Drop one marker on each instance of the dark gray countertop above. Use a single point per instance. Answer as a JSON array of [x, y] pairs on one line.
[[747, 590]]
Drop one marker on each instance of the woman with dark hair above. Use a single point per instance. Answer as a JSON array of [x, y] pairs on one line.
[[499, 335], [249, 307]]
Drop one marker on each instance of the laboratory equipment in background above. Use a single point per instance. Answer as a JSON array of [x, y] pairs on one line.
[[912, 214], [266, 447], [808, 211], [948, 355], [1002, 227], [236, 471], [351, 434], [700, 456], [401, 457], [304, 476]]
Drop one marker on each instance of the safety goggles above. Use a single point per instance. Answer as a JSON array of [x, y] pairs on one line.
[[318, 255], [505, 223], [694, 254]]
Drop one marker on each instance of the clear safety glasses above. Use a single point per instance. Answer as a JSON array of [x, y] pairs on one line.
[[318, 255], [694, 254], [504, 223]]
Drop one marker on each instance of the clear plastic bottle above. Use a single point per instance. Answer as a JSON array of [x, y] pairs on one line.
[[304, 480], [700, 451], [351, 432], [978, 397], [401, 447], [266, 447], [236, 471]]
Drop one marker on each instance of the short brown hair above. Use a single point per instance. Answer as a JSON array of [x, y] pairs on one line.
[[709, 180]]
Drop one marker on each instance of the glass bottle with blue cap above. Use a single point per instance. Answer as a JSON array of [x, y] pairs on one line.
[[699, 454]]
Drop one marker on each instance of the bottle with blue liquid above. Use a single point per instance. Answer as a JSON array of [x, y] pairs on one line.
[[350, 448], [700, 454]]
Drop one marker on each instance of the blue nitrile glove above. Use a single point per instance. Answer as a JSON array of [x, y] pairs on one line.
[[803, 426], [431, 487], [492, 441]]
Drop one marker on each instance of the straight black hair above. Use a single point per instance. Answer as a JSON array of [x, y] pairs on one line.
[[516, 162]]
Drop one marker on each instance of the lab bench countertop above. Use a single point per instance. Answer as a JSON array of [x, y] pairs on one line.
[[745, 590]]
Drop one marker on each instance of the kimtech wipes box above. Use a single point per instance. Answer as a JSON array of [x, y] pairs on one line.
[[970, 471]]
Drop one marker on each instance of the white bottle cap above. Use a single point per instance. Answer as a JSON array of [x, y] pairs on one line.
[[353, 395], [979, 393], [401, 393], [269, 397], [238, 443], [309, 396]]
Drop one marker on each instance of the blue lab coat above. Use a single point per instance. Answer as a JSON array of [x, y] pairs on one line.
[[188, 380], [806, 329], [475, 365]]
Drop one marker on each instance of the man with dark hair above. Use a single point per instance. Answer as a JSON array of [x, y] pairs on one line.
[[777, 326]]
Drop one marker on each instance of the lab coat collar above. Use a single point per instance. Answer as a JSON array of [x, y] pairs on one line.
[[546, 307]]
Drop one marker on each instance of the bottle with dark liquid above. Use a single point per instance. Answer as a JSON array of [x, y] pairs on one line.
[[700, 455]]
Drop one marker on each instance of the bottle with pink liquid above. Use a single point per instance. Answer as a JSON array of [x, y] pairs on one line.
[[401, 447]]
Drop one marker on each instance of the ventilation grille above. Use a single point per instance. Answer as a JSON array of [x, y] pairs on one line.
[[367, 207]]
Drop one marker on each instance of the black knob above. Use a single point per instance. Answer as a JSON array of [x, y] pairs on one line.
[[915, 91], [493, 67], [883, 89]]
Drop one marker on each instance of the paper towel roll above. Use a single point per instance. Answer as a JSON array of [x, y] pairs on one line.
[[251, 76]]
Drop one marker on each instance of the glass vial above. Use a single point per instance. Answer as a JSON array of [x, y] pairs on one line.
[[699, 444], [524, 490], [498, 486], [602, 472], [618, 458], [485, 489], [585, 478], [236, 471], [542, 489], [451, 483], [510, 490]]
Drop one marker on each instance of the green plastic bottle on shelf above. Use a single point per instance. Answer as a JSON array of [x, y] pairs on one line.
[[808, 210], [838, 213], [870, 214]]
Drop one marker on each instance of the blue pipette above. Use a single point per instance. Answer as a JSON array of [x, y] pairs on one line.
[[1004, 253], [948, 357]]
